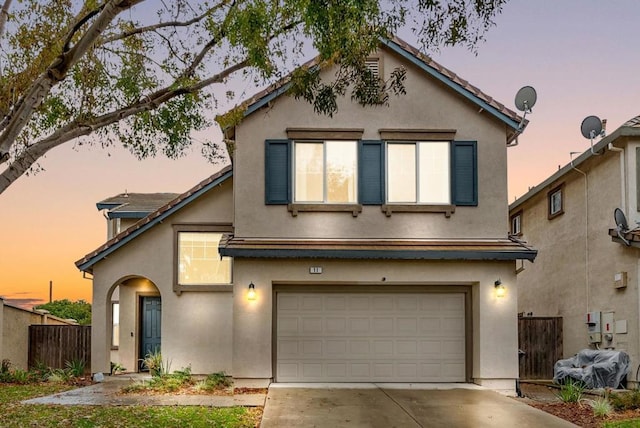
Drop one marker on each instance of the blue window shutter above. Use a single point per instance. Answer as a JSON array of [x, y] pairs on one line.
[[277, 172], [371, 172], [464, 173]]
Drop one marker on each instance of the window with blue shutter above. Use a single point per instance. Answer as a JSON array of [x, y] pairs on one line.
[[464, 173], [371, 172], [277, 172]]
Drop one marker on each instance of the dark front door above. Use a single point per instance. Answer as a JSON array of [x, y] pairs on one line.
[[150, 316]]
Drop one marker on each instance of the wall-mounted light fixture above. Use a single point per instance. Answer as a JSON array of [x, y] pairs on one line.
[[500, 290], [251, 295]]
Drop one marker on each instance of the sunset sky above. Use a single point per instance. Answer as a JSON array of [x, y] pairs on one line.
[[580, 55]]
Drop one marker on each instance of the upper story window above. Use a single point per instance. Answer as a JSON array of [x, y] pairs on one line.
[[418, 172], [326, 172], [516, 224], [333, 174], [199, 261], [556, 202]]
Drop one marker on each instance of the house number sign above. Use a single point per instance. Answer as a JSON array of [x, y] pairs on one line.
[[315, 269]]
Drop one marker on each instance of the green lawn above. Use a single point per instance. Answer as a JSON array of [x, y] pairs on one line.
[[14, 414], [629, 423]]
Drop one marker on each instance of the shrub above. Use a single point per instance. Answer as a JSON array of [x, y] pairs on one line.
[[117, 368], [219, 380], [4, 367], [75, 367], [41, 370], [626, 400], [214, 381], [571, 391], [162, 384], [601, 407], [58, 376], [21, 377], [154, 363]]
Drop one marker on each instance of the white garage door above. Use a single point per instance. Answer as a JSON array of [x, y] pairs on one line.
[[377, 337]]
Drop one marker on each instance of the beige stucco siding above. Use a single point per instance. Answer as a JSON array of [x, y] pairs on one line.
[[253, 353], [576, 263], [428, 104], [196, 326]]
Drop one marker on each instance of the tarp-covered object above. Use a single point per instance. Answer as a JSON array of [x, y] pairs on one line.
[[596, 369]]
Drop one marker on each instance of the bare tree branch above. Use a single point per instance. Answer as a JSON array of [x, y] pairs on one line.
[[169, 24], [4, 14]]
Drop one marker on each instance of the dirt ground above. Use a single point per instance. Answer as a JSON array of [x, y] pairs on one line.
[[545, 398]]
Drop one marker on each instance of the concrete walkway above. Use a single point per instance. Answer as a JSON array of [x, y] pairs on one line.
[[107, 393], [387, 406]]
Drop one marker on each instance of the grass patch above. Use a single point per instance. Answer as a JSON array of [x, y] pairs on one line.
[[14, 414], [10, 393], [629, 423]]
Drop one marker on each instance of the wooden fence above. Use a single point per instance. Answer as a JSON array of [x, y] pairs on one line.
[[540, 338], [54, 345]]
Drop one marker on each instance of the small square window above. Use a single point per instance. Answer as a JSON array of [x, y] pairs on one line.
[[516, 224], [556, 202]]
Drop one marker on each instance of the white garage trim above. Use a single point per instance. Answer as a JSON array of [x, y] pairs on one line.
[[351, 333]]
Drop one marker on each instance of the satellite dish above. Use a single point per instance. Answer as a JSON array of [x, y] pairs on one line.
[[621, 224], [621, 220], [591, 127], [526, 99]]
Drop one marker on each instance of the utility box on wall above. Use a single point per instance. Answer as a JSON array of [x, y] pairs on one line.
[[620, 280], [594, 327]]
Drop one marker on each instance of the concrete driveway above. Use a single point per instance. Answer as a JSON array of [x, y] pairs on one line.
[[401, 406]]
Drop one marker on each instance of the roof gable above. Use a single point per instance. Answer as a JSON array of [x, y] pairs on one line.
[[424, 63], [86, 263]]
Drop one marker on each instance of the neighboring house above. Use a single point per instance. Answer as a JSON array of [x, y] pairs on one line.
[[579, 270], [367, 246], [14, 331]]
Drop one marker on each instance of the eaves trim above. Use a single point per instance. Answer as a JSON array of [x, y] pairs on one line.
[[159, 219], [379, 254], [128, 214], [397, 48]]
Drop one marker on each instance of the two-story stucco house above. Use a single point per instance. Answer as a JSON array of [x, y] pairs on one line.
[[367, 246], [585, 273]]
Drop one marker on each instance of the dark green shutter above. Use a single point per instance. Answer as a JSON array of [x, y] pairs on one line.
[[277, 172], [371, 172], [464, 173]]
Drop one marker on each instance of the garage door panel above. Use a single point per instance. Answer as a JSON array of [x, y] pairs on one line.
[[370, 337], [287, 326]]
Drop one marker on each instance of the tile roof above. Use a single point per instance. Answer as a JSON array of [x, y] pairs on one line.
[[633, 122], [406, 249], [140, 204], [85, 263], [435, 69]]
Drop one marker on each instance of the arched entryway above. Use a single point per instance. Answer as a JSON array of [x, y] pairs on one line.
[[137, 330]]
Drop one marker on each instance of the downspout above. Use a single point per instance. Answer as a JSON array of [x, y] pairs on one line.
[[586, 232]]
